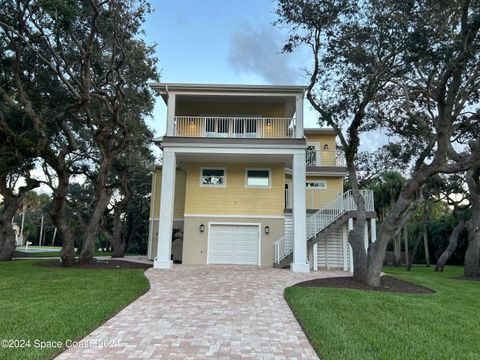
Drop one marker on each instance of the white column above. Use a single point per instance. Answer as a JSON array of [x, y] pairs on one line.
[[171, 114], [315, 256], [165, 223], [299, 117], [299, 215], [373, 229], [350, 228], [345, 248], [365, 237]]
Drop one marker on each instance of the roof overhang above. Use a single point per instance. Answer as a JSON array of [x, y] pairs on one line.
[[232, 89]]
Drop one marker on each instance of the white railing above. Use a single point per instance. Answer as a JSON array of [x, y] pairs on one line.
[[335, 209], [234, 127], [325, 157], [314, 198], [281, 250]]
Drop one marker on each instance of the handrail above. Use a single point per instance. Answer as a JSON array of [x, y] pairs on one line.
[[281, 250], [335, 209]]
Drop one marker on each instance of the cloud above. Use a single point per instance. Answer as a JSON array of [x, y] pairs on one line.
[[258, 51]]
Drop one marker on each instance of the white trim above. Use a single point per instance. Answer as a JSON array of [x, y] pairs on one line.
[[259, 186], [315, 256], [253, 149], [251, 216], [236, 224], [174, 219], [214, 185], [152, 220]]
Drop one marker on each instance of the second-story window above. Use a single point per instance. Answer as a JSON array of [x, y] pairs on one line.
[[320, 184], [213, 177]]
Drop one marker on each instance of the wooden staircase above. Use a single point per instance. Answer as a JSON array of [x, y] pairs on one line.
[[323, 222]]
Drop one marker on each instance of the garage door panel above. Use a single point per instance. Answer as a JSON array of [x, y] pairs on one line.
[[233, 244]]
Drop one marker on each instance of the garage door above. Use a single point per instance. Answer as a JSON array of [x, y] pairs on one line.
[[233, 244]]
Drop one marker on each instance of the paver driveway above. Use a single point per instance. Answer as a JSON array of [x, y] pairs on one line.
[[206, 312]]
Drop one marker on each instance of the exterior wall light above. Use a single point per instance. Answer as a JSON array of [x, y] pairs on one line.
[[267, 229], [325, 147], [190, 121], [202, 228], [269, 122]]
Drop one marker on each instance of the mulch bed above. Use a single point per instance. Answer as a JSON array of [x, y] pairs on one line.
[[101, 264], [387, 284], [21, 254]]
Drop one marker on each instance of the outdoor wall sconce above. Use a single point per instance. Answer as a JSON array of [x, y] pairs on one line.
[[202, 228], [191, 121], [269, 122], [325, 147], [267, 229]]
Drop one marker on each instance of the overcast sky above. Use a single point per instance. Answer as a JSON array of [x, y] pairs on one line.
[[220, 41]]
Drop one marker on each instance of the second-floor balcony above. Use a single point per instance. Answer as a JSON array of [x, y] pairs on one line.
[[234, 127], [324, 157]]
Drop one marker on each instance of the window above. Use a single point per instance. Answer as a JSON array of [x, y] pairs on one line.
[[320, 184], [258, 178], [212, 177]]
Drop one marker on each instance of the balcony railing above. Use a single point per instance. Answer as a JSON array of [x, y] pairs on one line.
[[314, 198], [234, 127], [325, 158]]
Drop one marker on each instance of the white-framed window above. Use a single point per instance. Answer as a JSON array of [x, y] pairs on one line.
[[258, 178], [317, 184], [213, 177]]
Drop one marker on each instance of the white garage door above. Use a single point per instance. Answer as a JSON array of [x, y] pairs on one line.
[[233, 244]]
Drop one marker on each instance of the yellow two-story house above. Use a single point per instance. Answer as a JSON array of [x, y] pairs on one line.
[[242, 182]]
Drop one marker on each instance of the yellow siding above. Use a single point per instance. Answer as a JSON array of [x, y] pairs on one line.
[[202, 108], [318, 198], [235, 198], [179, 202]]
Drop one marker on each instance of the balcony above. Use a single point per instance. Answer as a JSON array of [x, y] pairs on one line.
[[235, 127], [324, 157]]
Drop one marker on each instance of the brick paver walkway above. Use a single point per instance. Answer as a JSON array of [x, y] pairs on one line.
[[198, 312]]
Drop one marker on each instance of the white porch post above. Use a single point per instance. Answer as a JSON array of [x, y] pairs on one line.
[[345, 248], [315, 256], [299, 215], [373, 229], [350, 228], [171, 114], [299, 118], [365, 237], [164, 246]]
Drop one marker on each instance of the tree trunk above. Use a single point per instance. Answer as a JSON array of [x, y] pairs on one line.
[[415, 249], [405, 239], [425, 236], [452, 245], [397, 250], [59, 218], [7, 238], [472, 255], [356, 240], [103, 196]]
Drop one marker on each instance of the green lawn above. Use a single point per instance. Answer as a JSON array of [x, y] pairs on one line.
[[51, 304], [354, 324]]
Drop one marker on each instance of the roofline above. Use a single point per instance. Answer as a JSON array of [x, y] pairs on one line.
[[319, 131], [163, 88]]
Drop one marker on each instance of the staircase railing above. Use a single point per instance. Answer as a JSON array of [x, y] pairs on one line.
[[335, 209], [281, 250]]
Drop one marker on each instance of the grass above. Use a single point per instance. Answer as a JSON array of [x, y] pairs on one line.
[[55, 304], [355, 324]]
